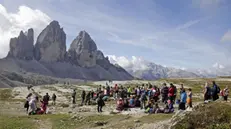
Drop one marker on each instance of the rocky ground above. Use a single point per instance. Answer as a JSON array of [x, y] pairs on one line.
[[66, 115]]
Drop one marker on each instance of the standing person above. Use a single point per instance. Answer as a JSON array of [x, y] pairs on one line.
[[83, 96], [100, 103], [156, 94], [181, 88], [175, 93], [32, 104], [88, 98], [183, 98], [226, 93], [215, 91], [189, 98], [53, 99], [28, 98], [108, 90], [143, 100], [73, 96], [92, 94], [129, 91], [171, 93], [207, 92], [164, 93], [116, 89], [46, 99]]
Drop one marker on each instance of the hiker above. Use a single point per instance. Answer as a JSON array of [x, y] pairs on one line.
[[207, 92], [156, 109], [156, 94], [138, 92], [28, 98], [164, 93], [123, 93], [46, 99], [129, 91], [175, 93], [116, 89], [149, 108], [73, 96], [171, 93], [120, 105], [225, 93], [88, 98], [215, 91], [132, 102], [32, 104], [181, 88], [108, 90], [100, 103], [92, 94], [42, 109], [143, 100], [83, 95], [189, 98], [126, 104], [137, 102], [54, 99], [29, 87], [183, 98], [168, 109]]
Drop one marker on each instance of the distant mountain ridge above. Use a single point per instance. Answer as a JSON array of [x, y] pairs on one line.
[[150, 71]]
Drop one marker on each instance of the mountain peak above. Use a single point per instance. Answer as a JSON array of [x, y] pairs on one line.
[[54, 24], [51, 44], [22, 46]]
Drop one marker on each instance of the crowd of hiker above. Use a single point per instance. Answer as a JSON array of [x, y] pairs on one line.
[[149, 98], [212, 91], [32, 101]]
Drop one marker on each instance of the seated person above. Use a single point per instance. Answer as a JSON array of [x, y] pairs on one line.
[[105, 98], [120, 105], [43, 108], [126, 103], [137, 102], [132, 102], [157, 109], [168, 109], [149, 108]]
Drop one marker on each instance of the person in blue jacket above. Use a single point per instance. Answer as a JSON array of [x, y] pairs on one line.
[[183, 99]]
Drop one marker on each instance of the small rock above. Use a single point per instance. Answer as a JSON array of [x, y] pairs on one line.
[[100, 123], [74, 117], [136, 121], [70, 112]]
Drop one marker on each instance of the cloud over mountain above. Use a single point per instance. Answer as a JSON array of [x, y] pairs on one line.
[[12, 23]]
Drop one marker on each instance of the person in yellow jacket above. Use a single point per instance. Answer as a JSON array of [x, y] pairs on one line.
[[129, 91]]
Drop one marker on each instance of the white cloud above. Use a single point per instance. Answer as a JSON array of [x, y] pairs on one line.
[[134, 64], [226, 37], [218, 66], [12, 23]]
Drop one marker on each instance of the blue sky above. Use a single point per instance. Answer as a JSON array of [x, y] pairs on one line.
[[178, 33]]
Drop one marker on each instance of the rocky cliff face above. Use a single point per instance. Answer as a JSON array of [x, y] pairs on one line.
[[51, 44], [82, 61], [22, 46], [83, 49]]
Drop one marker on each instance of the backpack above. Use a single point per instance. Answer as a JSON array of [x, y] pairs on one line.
[[218, 89], [208, 92]]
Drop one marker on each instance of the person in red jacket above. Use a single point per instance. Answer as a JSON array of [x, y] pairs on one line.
[[171, 92]]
